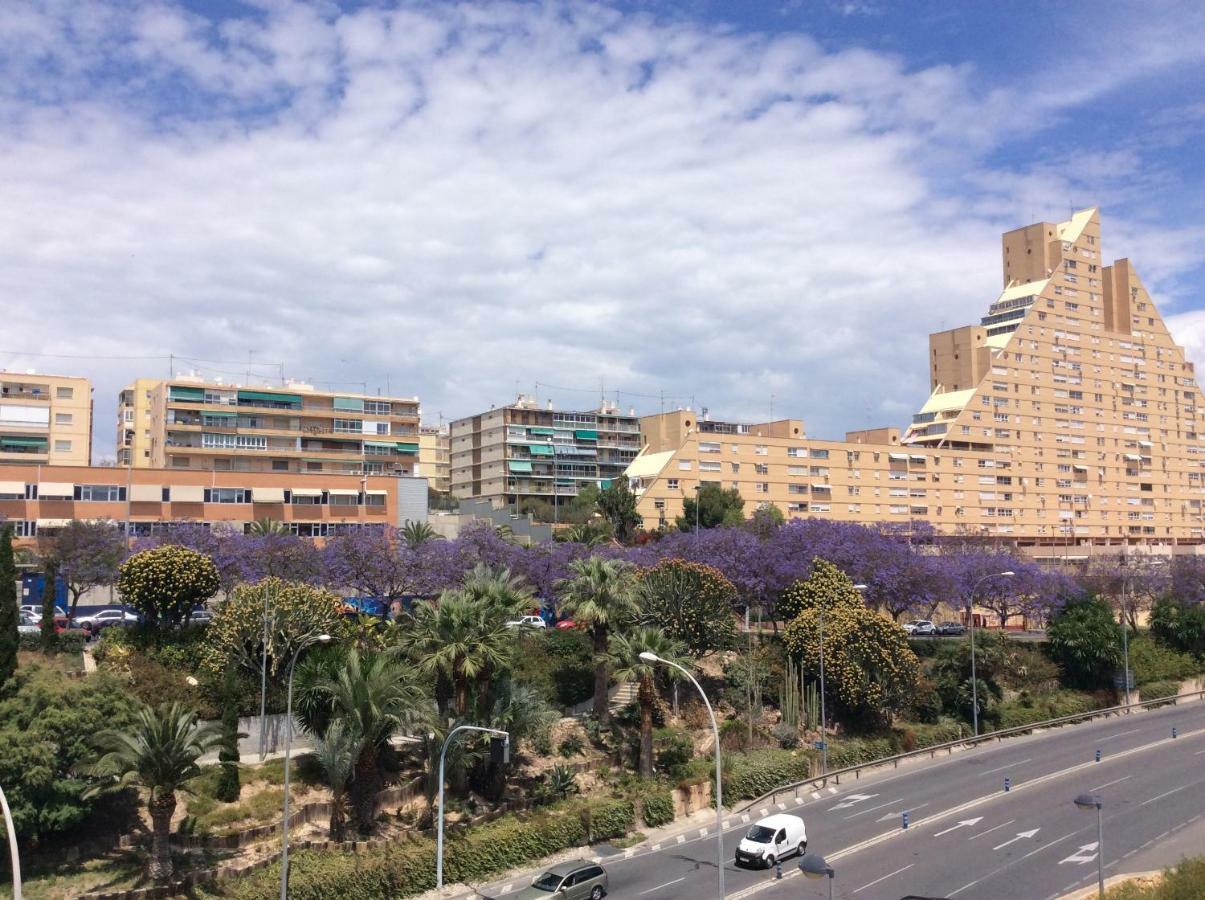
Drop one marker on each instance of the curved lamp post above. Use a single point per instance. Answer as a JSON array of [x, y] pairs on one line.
[[719, 772], [1088, 802], [439, 841], [813, 866], [12, 846], [284, 824], [971, 623]]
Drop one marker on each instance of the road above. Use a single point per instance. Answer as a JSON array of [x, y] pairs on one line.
[[967, 837]]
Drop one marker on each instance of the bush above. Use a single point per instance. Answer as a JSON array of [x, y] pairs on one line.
[[691, 602], [558, 663], [70, 641], [1152, 661], [1027, 709], [1180, 883], [673, 751], [859, 751], [657, 808], [166, 583], [1085, 641], [1180, 626], [752, 774], [571, 745], [1157, 690]]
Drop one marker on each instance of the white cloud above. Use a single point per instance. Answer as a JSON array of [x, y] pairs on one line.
[[466, 199]]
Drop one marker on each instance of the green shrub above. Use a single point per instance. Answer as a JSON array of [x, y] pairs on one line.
[[559, 664], [1157, 690], [1085, 640], [1181, 883], [858, 751], [70, 641], [571, 745], [657, 808], [673, 751], [752, 774], [1152, 661], [1027, 709]]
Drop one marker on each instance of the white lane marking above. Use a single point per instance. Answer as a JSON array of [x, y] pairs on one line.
[[1085, 854], [964, 887], [1168, 793], [1110, 783], [506, 889], [1019, 762], [655, 848], [703, 832], [1119, 734], [896, 814], [816, 794], [681, 839], [745, 817], [763, 812], [884, 878], [1021, 835], [660, 886], [965, 823], [1199, 752], [1051, 844], [724, 824], [832, 790], [990, 830]]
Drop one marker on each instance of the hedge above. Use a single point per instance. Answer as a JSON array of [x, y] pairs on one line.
[[407, 868], [1157, 690], [753, 774], [859, 751], [1028, 709], [70, 641], [657, 808]]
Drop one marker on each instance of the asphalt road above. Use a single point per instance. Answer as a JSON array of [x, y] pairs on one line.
[[967, 838]]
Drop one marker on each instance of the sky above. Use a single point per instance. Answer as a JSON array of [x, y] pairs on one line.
[[761, 208]]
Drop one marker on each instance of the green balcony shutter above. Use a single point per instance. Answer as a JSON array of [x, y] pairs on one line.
[[350, 404], [175, 392], [585, 434], [518, 465]]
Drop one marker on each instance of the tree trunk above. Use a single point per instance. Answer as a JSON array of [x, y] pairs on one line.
[[338, 826], [161, 810], [602, 677], [461, 695], [647, 698], [364, 788]]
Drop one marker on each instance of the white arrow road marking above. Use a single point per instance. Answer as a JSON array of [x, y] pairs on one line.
[[965, 823], [1020, 835], [852, 800], [896, 814], [1084, 854]]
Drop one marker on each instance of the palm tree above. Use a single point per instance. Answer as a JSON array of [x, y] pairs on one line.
[[414, 534], [508, 594], [462, 639], [336, 752], [626, 650], [373, 694], [602, 594], [592, 534], [265, 526], [159, 754]]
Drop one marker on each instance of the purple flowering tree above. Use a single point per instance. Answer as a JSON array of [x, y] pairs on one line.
[[88, 555], [375, 563]]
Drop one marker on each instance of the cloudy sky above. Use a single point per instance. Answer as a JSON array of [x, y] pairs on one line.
[[736, 205]]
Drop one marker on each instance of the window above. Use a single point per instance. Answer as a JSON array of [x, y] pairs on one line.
[[709, 467], [761, 469], [762, 487], [684, 465], [672, 484], [377, 407], [227, 495], [761, 450], [818, 454], [305, 500], [708, 447], [62, 418], [374, 500], [280, 465], [62, 446], [100, 493], [348, 426], [64, 393], [344, 500]]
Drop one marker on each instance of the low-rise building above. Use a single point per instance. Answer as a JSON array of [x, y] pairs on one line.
[[45, 419]]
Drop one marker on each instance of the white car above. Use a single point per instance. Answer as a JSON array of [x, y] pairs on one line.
[[26, 624], [772, 838], [527, 622], [104, 619], [920, 626], [34, 611]]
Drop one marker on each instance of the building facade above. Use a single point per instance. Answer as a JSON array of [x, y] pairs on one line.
[[1066, 416], [45, 419], [435, 457], [186, 423], [523, 452], [39, 500]]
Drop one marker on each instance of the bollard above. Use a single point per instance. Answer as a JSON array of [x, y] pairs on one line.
[[1173, 731], [1008, 784], [1098, 756], [904, 817], [778, 870]]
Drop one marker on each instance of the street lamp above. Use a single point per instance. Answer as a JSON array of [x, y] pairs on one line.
[[439, 841], [823, 716], [12, 845], [698, 488], [263, 686], [284, 824], [813, 865], [1089, 802], [719, 772], [971, 621]]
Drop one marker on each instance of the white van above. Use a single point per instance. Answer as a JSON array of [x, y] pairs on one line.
[[772, 838]]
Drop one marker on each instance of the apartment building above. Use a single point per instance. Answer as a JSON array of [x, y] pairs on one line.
[[1067, 415], [40, 500], [435, 457], [45, 419], [187, 423], [524, 452]]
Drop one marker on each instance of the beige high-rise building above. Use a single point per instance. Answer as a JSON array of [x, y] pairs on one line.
[[1066, 416], [188, 423], [45, 419], [434, 457]]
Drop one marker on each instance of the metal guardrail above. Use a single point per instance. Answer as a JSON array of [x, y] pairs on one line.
[[951, 746]]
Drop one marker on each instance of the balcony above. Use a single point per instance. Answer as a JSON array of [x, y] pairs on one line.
[[25, 392]]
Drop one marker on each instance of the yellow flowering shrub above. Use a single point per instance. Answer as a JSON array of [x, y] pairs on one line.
[[164, 584]]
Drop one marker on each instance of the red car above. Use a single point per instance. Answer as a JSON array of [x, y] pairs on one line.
[[566, 623]]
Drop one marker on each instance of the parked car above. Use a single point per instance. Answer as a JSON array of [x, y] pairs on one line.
[[921, 627], [951, 628], [579, 879], [566, 623], [527, 622], [199, 617], [26, 624], [94, 623], [771, 839], [34, 610]]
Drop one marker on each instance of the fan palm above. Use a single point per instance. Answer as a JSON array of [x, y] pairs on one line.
[[413, 534], [373, 694], [508, 594], [336, 752], [265, 526], [159, 754], [602, 594], [626, 650]]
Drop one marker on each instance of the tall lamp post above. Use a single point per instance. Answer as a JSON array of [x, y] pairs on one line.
[[813, 865], [439, 841], [284, 824], [971, 622], [719, 772], [263, 686], [12, 844], [1088, 802], [823, 716]]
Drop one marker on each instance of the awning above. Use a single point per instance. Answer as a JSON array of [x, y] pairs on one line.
[[307, 492], [540, 449], [389, 444], [1145, 444], [585, 434], [187, 493], [898, 457], [23, 441], [377, 493], [55, 489], [546, 432], [1133, 457], [213, 414], [821, 487], [343, 492], [53, 523], [407, 448], [267, 495], [917, 457], [293, 399], [175, 392], [1080, 468], [519, 465], [349, 404], [146, 493], [12, 487]]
